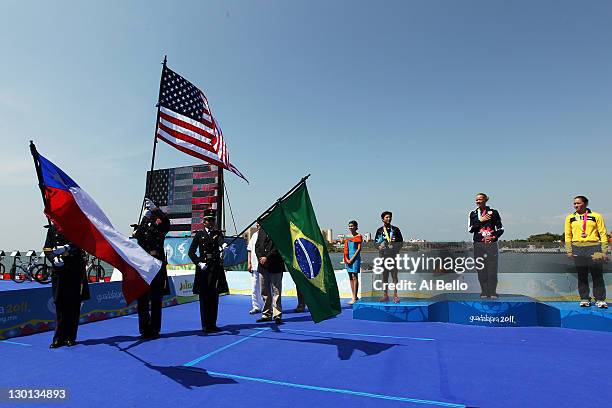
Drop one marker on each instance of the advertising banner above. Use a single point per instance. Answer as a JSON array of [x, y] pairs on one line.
[[32, 310]]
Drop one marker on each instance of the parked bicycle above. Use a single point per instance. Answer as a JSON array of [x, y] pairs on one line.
[[16, 255], [33, 270], [95, 271], [2, 268]]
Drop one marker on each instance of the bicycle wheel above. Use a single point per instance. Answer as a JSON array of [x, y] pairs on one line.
[[92, 273], [41, 273], [18, 274]]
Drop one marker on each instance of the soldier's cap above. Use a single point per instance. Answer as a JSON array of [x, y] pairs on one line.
[[209, 214]]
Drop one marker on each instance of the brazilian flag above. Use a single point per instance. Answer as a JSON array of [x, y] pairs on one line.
[[293, 228]]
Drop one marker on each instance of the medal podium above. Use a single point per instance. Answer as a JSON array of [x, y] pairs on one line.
[[507, 311]]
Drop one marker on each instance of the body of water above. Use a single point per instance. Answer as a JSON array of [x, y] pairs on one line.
[[508, 262]]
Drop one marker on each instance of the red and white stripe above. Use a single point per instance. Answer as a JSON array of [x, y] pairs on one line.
[[202, 139]]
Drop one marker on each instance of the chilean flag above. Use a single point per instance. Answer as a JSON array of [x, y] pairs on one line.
[[81, 221]]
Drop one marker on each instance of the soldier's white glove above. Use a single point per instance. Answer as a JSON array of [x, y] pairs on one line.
[[58, 262], [202, 266], [61, 249], [224, 246], [149, 205]]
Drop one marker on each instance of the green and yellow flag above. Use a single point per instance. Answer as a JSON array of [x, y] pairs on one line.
[[292, 226]]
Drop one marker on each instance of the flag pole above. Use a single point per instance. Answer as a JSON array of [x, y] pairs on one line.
[[41, 182], [220, 209], [150, 173], [222, 285], [272, 207]]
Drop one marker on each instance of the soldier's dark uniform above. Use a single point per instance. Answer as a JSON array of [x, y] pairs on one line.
[[150, 235], [69, 285], [208, 282]]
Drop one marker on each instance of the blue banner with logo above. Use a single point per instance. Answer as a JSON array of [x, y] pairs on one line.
[[177, 250]]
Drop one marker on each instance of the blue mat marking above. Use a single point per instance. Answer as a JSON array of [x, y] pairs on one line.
[[15, 342], [212, 353], [337, 390]]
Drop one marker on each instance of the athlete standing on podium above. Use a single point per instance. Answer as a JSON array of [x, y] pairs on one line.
[[486, 226], [389, 239], [586, 243]]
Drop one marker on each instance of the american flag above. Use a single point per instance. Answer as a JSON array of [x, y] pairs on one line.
[[184, 193], [186, 122]]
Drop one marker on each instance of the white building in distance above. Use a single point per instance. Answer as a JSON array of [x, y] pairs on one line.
[[327, 234]]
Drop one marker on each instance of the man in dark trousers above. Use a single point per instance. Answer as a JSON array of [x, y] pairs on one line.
[[389, 239], [301, 303], [271, 268], [69, 284], [209, 274], [150, 234]]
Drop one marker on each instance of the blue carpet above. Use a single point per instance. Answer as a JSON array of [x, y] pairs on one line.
[[340, 362], [8, 285]]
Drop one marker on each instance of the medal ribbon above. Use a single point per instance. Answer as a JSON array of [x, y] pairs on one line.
[[387, 237], [584, 224], [482, 214]]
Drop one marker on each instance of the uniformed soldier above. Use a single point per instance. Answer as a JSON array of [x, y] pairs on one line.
[[69, 285], [209, 276], [150, 234]]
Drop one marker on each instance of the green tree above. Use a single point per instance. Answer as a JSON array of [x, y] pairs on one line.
[[546, 237]]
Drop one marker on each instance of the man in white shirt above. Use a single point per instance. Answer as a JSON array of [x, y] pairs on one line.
[[256, 299]]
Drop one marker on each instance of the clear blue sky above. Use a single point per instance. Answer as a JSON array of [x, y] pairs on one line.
[[411, 106]]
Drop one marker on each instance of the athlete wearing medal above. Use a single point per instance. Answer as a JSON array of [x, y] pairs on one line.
[[389, 239], [586, 243], [486, 226]]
